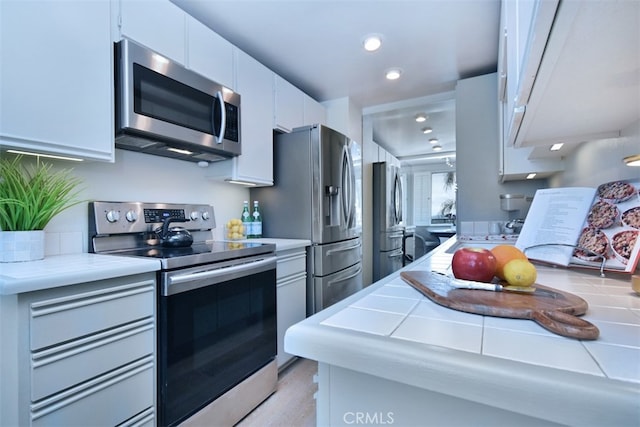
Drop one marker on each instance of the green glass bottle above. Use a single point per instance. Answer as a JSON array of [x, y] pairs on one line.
[[256, 223], [247, 220]]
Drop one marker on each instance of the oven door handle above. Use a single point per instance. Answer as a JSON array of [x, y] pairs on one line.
[[176, 283]]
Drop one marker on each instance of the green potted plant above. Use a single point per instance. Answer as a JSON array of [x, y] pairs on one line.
[[30, 196]]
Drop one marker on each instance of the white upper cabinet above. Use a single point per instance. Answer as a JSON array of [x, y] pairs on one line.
[[525, 26], [289, 105], [158, 25], [254, 83], [208, 53], [56, 78], [582, 82], [314, 112], [294, 108]]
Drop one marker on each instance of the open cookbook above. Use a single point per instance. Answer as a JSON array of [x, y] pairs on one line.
[[580, 226]]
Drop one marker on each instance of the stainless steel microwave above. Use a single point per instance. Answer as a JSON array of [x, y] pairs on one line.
[[165, 109]]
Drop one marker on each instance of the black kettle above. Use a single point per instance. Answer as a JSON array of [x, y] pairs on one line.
[[174, 237]]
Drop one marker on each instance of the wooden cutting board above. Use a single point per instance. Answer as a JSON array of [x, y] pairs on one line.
[[553, 309]]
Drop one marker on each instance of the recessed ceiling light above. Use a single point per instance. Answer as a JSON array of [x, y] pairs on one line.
[[531, 176], [372, 42], [437, 147], [393, 73], [433, 140], [427, 130], [556, 147], [421, 117]]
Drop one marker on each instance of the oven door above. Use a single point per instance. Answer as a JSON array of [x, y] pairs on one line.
[[217, 326]]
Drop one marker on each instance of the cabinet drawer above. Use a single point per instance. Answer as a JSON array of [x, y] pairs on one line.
[[107, 400], [63, 366], [291, 263], [144, 419], [58, 320]]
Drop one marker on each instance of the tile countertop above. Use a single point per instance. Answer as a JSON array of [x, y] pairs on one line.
[[282, 244], [63, 270], [391, 331]]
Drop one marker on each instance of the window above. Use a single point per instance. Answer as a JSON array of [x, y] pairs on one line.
[[443, 197], [434, 197]]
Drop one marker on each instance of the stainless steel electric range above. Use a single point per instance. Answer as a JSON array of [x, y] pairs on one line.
[[216, 311]]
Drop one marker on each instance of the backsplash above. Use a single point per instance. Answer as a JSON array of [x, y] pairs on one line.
[[64, 243], [144, 178]]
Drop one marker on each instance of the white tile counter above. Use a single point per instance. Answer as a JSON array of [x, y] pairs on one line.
[[392, 333], [62, 270], [282, 244]]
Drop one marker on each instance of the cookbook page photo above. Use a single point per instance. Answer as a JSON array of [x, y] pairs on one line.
[[584, 226]]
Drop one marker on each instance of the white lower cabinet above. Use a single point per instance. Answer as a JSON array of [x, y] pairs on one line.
[[291, 292], [87, 356]]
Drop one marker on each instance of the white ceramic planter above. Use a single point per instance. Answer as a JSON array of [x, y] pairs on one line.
[[18, 246]]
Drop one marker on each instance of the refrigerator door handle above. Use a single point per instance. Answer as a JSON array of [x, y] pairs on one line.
[[345, 172], [342, 279], [344, 249], [352, 192], [395, 254], [397, 198]]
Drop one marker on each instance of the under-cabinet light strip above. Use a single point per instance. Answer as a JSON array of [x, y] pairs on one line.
[[50, 156]]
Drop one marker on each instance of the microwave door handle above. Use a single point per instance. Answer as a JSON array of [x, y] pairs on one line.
[[223, 117]]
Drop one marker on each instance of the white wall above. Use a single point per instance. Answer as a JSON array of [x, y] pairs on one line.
[[477, 155], [140, 178], [597, 162]]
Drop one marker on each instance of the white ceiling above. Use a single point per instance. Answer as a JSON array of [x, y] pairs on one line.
[[317, 46]]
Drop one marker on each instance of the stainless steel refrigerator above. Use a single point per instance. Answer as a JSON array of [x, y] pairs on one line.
[[388, 225], [317, 195]]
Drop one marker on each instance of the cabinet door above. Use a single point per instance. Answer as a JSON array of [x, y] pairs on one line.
[[289, 105], [56, 77], [208, 53], [158, 25], [527, 24], [291, 302], [314, 112], [254, 82]]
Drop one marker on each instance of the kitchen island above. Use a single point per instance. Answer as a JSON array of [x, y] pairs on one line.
[[388, 355]]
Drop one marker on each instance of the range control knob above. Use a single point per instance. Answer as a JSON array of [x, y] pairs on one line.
[[205, 215], [132, 216], [194, 215], [113, 216]]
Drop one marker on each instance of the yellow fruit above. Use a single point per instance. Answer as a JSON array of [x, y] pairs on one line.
[[504, 254], [520, 272]]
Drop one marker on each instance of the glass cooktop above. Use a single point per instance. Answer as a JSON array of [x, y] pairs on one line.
[[199, 253]]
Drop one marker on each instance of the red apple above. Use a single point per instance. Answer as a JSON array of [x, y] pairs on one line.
[[476, 264]]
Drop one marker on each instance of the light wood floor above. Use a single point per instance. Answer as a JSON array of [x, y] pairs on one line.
[[292, 405]]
